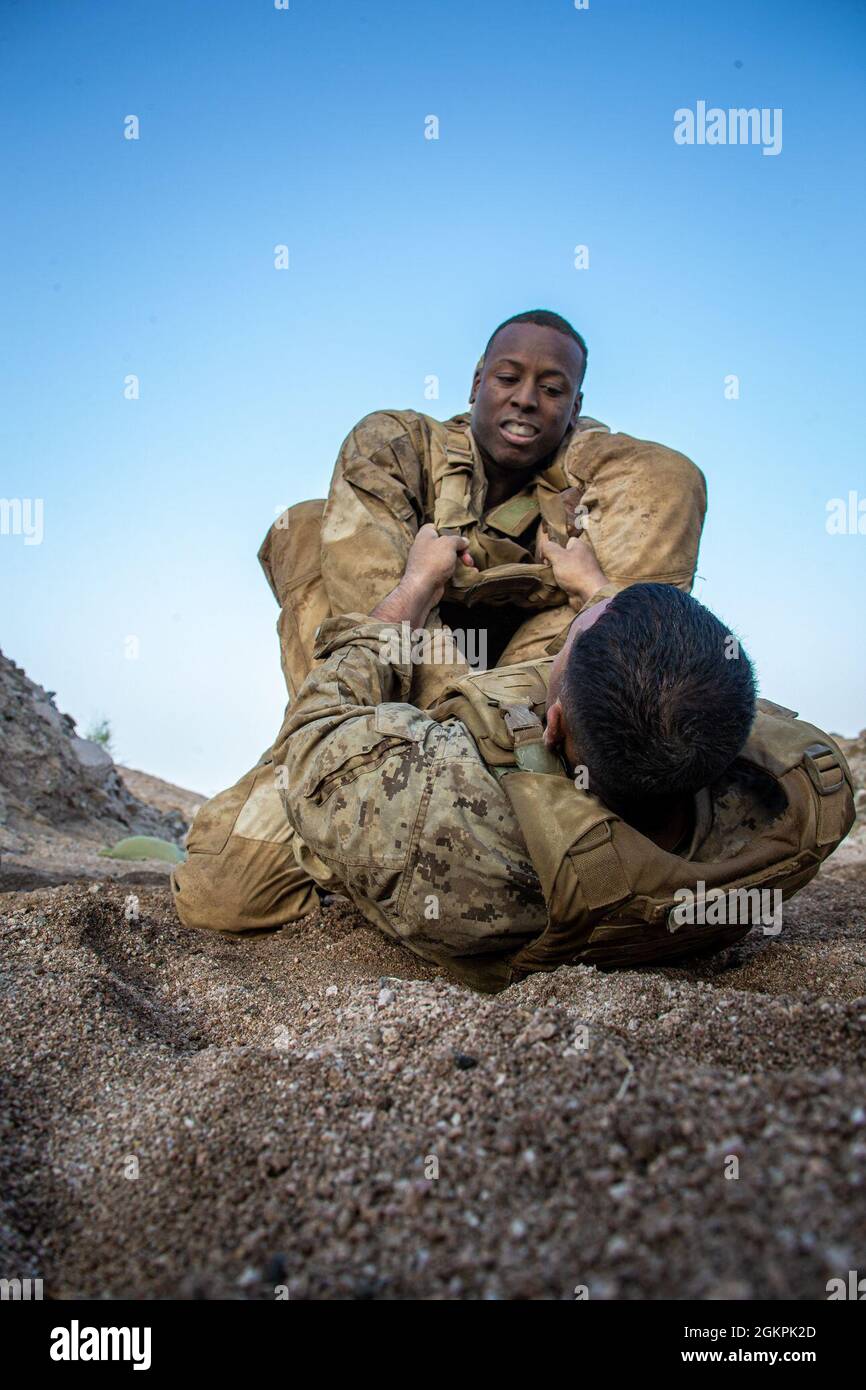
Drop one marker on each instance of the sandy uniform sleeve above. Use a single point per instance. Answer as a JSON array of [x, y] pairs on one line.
[[646, 506], [374, 509], [400, 809]]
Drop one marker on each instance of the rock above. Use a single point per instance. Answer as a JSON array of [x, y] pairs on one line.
[[92, 756], [463, 1062], [49, 774]]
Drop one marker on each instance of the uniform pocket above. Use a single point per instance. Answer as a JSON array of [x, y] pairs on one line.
[[341, 759], [401, 721]]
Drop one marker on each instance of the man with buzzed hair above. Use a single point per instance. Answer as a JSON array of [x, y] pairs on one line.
[[523, 455], [522, 470]]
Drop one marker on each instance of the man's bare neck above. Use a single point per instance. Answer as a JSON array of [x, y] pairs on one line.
[[505, 483]]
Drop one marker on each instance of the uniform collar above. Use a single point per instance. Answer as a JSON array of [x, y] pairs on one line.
[[518, 512], [513, 516]]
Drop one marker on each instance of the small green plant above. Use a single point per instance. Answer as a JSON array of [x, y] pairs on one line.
[[100, 732]]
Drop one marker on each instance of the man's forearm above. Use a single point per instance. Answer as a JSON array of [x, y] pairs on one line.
[[362, 664], [429, 568], [408, 603]]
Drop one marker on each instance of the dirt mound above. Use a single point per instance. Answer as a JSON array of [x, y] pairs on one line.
[[316, 1111], [162, 796], [855, 752]]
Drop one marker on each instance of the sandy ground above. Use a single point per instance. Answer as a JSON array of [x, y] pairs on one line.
[[314, 1111]]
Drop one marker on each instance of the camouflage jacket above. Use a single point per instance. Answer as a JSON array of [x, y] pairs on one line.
[[400, 812], [642, 506]]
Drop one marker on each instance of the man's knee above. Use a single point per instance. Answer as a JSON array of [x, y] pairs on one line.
[[241, 874], [238, 891]]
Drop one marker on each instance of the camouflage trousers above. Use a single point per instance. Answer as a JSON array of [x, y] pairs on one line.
[[242, 872]]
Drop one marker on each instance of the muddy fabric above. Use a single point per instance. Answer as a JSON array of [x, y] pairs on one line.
[[641, 505], [291, 557], [241, 874], [406, 813], [611, 893]]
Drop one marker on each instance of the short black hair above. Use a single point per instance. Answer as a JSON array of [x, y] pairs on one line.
[[545, 318], [658, 696]]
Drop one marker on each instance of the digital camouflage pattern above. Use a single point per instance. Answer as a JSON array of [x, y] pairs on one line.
[[399, 810], [404, 813]]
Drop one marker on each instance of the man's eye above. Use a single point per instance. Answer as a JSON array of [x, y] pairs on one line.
[[552, 391], [505, 378]]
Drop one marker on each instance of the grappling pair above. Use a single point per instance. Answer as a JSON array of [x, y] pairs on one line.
[[552, 808]]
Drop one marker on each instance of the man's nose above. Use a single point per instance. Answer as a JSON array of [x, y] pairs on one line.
[[525, 396]]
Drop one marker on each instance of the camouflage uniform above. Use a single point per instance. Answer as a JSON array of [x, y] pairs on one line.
[[403, 812], [643, 507], [399, 810]]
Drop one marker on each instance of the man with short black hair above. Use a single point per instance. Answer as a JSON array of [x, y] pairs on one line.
[[657, 702], [519, 424], [543, 318], [522, 456], [478, 834]]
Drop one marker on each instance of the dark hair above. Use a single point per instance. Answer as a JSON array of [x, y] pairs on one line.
[[658, 696], [545, 318]]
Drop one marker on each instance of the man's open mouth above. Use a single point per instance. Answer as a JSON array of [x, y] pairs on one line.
[[518, 431]]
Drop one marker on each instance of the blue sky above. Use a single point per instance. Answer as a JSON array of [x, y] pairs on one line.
[[306, 127]]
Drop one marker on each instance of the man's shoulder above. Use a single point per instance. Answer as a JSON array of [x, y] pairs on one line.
[[386, 425], [398, 421], [593, 446], [521, 683], [497, 678]]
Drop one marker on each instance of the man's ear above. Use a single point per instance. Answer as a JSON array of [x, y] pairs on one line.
[[554, 729], [578, 406], [476, 380]]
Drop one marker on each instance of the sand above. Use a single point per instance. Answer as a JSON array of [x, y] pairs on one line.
[[316, 1113]]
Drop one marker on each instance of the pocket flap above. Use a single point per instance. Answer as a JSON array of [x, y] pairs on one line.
[[349, 752]]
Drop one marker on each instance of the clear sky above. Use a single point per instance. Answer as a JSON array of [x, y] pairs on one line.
[[306, 127]]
